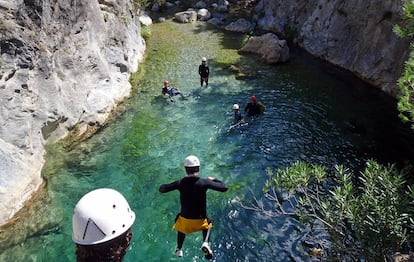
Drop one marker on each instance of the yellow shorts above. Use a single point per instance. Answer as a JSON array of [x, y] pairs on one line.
[[187, 226]]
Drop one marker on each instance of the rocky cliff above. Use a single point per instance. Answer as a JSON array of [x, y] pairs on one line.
[[64, 65], [355, 35]]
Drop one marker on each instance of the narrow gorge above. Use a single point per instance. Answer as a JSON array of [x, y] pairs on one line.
[[65, 66]]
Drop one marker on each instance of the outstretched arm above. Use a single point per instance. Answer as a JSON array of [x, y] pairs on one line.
[[217, 185], [164, 188]]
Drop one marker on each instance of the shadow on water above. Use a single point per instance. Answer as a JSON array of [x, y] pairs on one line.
[[313, 113]]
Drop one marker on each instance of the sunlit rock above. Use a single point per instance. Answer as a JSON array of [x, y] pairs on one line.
[[203, 14], [189, 16], [145, 19], [269, 47], [64, 66], [355, 35]]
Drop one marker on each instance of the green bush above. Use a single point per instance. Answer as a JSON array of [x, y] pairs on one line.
[[142, 4], [366, 218], [406, 97], [406, 81], [145, 32]]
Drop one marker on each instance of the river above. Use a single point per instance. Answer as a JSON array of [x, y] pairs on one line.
[[314, 113]]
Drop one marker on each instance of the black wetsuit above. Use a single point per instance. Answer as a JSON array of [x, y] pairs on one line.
[[193, 196], [171, 91], [252, 109], [204, 72], [237, 116]]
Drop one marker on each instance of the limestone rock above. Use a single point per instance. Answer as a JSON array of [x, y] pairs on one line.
[[269, 47], [188, 16], [355, 35], [203, 15], [145, 19], [241, 26], [63, 64]]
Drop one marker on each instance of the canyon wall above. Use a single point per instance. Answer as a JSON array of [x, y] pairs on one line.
[[64, 66], [354, 35]]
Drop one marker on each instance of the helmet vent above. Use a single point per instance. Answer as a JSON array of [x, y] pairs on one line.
[[91, 227], [99, 216]]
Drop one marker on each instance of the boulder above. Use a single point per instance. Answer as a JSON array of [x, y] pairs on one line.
[[203, 14], [145, 19], [223, 6], [155, 8], [200, 5], [169, 5], [241, 26], [189, 16], [216, 21], [269, 47], [355, 35]]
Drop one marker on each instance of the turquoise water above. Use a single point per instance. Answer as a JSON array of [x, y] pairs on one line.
[[313, 113]]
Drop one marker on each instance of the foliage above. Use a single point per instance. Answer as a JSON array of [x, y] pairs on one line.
[[142, 4], [365, 218], [145, 32], [406, 81], [406, 97], [406, 30]]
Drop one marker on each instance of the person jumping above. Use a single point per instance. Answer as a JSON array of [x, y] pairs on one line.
[[193, 215]]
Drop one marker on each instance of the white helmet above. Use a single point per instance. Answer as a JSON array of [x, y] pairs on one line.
[[203, 59], [191, 161], [99, 216], [236, 107]]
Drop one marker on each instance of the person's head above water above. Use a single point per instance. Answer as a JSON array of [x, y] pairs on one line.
[[101, 225], [236, 107], [253, 98], [192, 164]]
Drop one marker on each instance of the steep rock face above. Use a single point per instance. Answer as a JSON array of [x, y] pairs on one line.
[[355, 35], [63, 64]]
